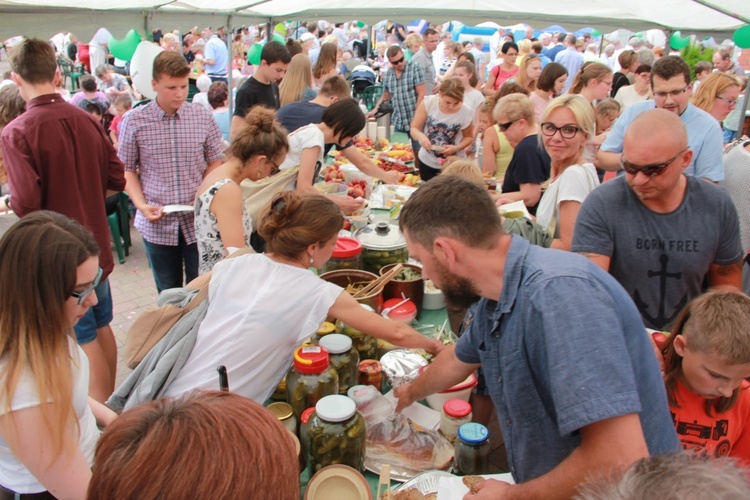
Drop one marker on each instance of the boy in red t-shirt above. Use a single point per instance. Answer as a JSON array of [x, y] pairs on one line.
[[123, 104]]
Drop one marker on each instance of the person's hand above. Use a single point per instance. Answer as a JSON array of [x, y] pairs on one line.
[[371, 114], [659, 342], [449, 150], [404, 398], [425, 142], [390, 177], [350, 205], [489, 489], [435, 347], [151, 212], [502, 201]]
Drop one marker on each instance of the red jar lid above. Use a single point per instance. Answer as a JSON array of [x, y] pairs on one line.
[[306, 415], [346, 247], [406, 309], [456, 408], [311, 359]]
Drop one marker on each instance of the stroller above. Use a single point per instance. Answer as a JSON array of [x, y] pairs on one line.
[[362, 77]]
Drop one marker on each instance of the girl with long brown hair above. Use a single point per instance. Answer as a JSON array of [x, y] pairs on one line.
[[49, 267], [325, 66]]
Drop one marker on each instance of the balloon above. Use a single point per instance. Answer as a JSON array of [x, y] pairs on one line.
[[596, 33], [280, 28], [360, 24], [142, 68], [741, 37], [677, 42], [253, 54], [125, 48], [279, 38], [101, 37]]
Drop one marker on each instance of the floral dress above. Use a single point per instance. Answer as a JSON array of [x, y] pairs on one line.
[[207, 228]]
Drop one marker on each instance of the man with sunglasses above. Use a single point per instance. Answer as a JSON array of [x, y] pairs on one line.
[[662, 234], [672, 88]]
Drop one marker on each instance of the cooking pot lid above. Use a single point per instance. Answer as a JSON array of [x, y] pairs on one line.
[[381, 236]]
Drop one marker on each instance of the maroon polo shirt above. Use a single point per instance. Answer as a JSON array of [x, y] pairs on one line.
[[59, 158]]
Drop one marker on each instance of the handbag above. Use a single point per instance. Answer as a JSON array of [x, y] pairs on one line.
[[155, 322], [258, 194]]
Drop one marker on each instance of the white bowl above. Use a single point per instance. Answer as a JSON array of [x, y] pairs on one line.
[[433, 297], [461, 391]]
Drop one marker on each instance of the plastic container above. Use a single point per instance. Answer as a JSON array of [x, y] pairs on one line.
[[285, 414], [433, 297], [336, 434], [472, 455], [311, 379], [455, 413], [460, 391], [413, 289], [366, 346], [345, 277], [344, 359], [403, 313], [382, 244], [347, 254]]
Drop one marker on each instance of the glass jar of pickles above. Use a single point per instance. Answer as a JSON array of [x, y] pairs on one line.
[[344, 359], [366, 346], [283, 411], [347, 254], [304, 421], [336, 434], [472, 455], [456, 412], [311, 379], [382, 244]]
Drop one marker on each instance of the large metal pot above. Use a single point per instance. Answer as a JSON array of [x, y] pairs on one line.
[[382, 244]]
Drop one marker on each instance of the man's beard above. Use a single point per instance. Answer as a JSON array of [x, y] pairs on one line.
[[458, 291]]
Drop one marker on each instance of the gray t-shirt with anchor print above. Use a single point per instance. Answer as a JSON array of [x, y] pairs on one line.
[[662, 260]]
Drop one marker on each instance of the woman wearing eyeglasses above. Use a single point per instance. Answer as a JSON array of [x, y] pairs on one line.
[[593, 82], [530, 166], [263, 306], [639, 91], [49, 267], [717, 95], [222, 222], [567, 125], [503, 71]]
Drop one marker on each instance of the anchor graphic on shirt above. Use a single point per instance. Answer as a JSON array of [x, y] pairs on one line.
[[660, 319]]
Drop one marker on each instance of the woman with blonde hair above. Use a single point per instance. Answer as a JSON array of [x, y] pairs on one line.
[[450, 51], [717, 94], [49, 267], [497, 151], [524, 49], [529, 72], [443, 127], [222, 222], [325, 66], [567, 125], [593, 82], [297, 82]]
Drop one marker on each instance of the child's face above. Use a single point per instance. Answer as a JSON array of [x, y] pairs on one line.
[[120, 110], [605, 121], [708, 375], [483, 121], [702, 75]]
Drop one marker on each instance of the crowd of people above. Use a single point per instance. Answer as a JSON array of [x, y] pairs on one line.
[[615, 157]]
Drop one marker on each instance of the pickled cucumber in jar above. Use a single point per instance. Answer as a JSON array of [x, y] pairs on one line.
[[311, 379], [336, 434], [344, 359], [366, 346]]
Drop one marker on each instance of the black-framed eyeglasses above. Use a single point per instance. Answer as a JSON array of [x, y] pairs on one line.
[[81, 296], [731, 102], [505, 126], [566, 131], [276, 169], [671, 93], [398, 61], [648, 170]]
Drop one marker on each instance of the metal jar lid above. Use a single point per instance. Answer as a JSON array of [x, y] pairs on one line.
[[282, 411], [381, 236]]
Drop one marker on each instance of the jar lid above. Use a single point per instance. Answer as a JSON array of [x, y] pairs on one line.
[[381, 236], [406, 309], [336, 343], [473, 433], [310, 359], [282, 411], [326, 328], [456, 408], [346, 246], [306, 415], [370, 366], [335, 408]]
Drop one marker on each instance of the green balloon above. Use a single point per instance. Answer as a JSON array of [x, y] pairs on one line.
[[125, 48], [360, 24], [279, 38], [741, 37], [280, 28], [596, 33], [253, 54], [677, 42]]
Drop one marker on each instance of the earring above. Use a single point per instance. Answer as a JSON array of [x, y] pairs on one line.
[[311, 260]]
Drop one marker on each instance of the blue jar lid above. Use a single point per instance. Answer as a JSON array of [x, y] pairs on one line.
[[473, 433]]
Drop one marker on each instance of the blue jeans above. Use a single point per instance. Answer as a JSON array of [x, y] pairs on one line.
[[96, 317], [167, 263]]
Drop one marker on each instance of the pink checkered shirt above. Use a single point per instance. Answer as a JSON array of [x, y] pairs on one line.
[[171, 153]]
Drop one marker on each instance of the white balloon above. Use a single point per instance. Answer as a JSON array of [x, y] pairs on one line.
[[142, 67], [657, 38], [101, 37]]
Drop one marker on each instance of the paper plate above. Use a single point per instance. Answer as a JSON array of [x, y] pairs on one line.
[[426, 482], [338, 482]]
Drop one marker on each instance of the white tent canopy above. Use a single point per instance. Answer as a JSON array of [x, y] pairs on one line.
[[44, 18]]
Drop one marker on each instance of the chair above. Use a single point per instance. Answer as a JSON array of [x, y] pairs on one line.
[[70, 71], [140, 103], [119, 227], [370, 96]]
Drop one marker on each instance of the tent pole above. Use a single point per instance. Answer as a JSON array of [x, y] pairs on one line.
[[269, 33], [146, 23], [601, 45], [667, 45], [230, 62], [724, 11]]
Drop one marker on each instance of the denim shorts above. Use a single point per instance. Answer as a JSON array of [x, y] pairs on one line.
[[97, 317]]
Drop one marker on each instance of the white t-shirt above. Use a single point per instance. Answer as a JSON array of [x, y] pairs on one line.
[[259, 312], [627, 96], [303, 138], [443, 129], [13, 474], [473, 99], [574, 184]]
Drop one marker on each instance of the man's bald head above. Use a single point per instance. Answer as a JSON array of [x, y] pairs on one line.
[[658, 125]]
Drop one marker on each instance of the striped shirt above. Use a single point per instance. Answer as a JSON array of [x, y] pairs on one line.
[[171, 153], [403, 92]]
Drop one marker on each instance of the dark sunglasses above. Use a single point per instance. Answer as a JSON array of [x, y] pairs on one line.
[[648, 170], [81, 296], [505, 126], [399, 61]]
